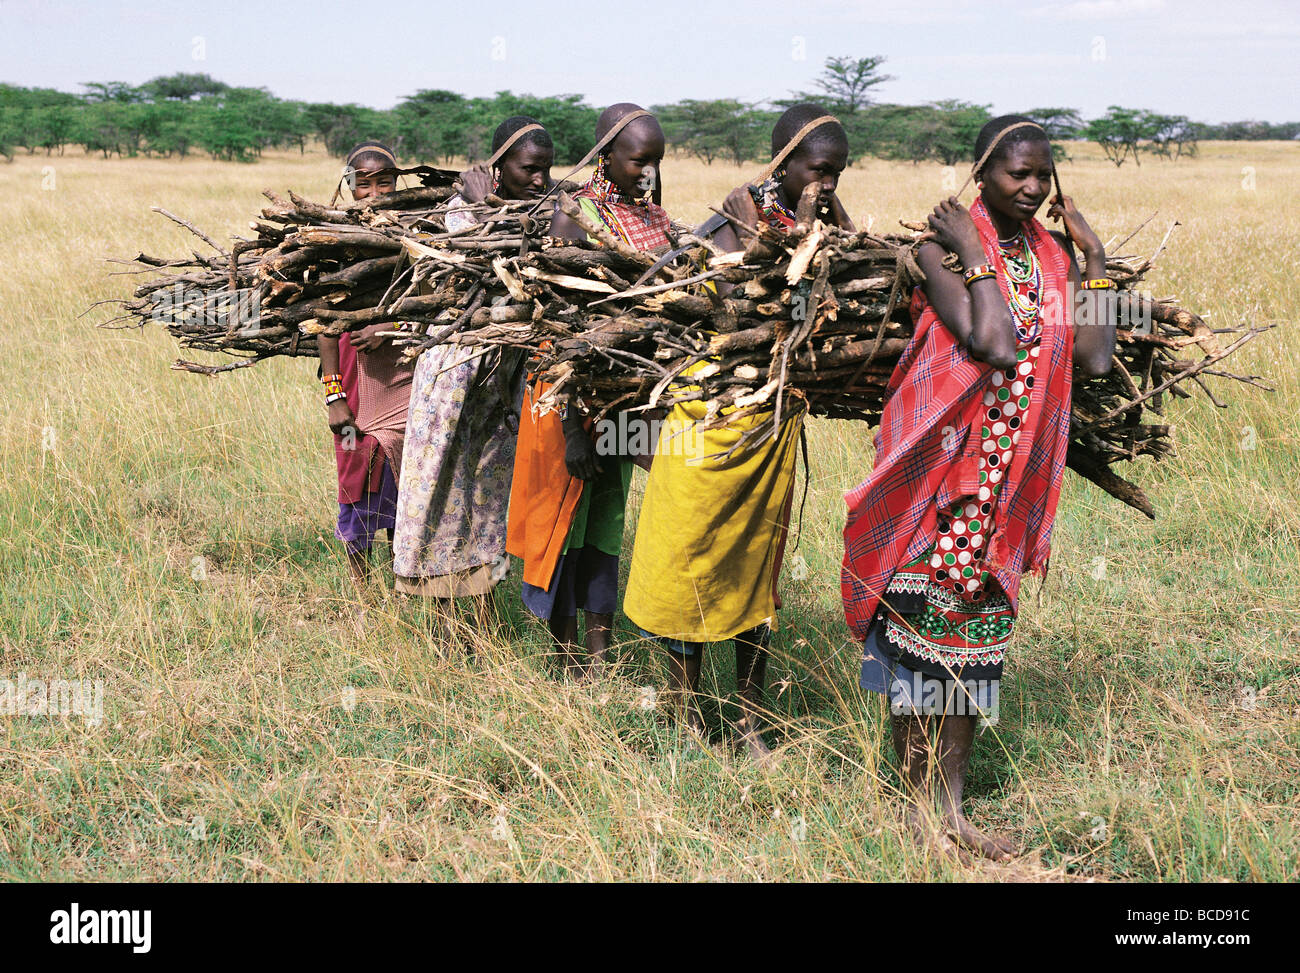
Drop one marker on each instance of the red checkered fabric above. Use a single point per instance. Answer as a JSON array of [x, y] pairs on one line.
[[920, 468], [642, 225]]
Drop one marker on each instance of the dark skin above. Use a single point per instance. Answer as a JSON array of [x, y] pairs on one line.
[[365, 184], [632, 164], [823, 163], [525, 173], [1014, 185], [632, 160], [751, 677]]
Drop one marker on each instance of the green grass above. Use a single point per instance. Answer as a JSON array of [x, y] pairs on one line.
[[1149, 725]]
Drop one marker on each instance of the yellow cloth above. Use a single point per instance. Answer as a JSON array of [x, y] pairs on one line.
[[711, 531]]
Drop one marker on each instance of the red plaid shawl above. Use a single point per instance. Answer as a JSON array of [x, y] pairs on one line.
[[892, 515], [642, 225]]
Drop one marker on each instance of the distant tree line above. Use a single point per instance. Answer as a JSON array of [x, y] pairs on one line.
[[185, 114]]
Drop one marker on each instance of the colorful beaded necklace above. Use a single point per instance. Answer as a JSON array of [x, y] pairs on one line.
[[1025, 283], [605, 193], [767, 198]]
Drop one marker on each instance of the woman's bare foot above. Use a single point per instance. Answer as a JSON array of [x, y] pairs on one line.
[[755, 746], [574, 668], [594, 669], [927, 833], [991, 846]]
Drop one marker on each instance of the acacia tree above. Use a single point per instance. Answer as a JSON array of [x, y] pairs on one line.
[[182, 87], [1120, 133], [944, 131], [845, 84], [1060, 124], [1172, 136], [846, 88], [718, 128]]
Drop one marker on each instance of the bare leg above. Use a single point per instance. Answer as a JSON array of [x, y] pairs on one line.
[[684, 683], [598, 625], [912, 744], [440, 618], [751, 678], [564, 629], [956, 734], [359, 569]]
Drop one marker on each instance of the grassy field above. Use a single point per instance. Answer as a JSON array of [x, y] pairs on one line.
[[171, 535]]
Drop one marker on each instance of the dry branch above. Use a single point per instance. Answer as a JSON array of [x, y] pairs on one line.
[[813, 319]]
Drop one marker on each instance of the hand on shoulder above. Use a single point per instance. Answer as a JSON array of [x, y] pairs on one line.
[[739, 205], [477, 182]]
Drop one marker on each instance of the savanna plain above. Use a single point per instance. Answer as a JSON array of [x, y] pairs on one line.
[[171, 535]]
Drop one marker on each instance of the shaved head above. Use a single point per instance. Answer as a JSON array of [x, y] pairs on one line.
[[645, 126], [828, 134]]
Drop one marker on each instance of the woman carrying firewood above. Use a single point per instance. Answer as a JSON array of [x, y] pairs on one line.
[[711, 535], [567, 503], [460, 433], [366, 393], [969, 459]]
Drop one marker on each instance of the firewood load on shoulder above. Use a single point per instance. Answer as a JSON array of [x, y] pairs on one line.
[[815, 318]]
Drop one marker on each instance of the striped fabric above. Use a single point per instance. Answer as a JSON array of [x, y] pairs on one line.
[[927, 457]]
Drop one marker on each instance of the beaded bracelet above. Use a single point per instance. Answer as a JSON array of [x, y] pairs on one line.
[[1098, 284], [978, 272], [971, 278], [328, 379], [334, 397]]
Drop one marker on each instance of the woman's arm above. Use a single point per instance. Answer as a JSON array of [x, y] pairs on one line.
[[339, 413], [976, 316], [727, 239], [564, 228], [1094, 338], [739, 205], [370, 337], [840, 215], [477, 182]]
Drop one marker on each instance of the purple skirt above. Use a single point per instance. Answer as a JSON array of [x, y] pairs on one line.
[[586, 578], [376, 510]]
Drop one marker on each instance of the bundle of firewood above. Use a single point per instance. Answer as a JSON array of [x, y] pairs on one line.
[[310, 268], [815, 318]]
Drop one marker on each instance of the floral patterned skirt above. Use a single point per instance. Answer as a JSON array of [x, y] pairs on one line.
[[454, 489]]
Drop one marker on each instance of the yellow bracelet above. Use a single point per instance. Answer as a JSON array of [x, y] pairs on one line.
[[1098, 284]]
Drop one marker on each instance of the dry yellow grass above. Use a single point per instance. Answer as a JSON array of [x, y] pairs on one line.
[[171, 535]]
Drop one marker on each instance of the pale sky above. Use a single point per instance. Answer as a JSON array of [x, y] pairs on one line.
[[1213, 60]]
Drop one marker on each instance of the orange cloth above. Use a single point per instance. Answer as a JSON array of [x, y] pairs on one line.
[[543, 496]]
